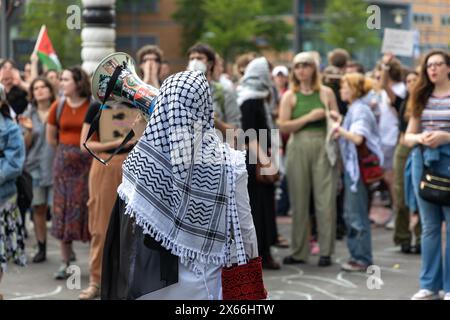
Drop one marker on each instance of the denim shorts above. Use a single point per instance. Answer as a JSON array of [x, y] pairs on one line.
[[41, 195]]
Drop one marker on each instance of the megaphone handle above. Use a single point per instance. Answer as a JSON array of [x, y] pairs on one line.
[[95, 121]]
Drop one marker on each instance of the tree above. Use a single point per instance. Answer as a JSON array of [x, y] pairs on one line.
[[53, 13], [234, 26], [231, 25], [345, 25], [191, 16]]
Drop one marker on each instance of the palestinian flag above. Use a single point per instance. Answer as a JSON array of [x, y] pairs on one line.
[[46, 53]]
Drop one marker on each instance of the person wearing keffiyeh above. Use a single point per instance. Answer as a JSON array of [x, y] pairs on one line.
[[182, 189]]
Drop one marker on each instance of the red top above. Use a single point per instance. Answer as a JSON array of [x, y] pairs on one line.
[[70, 123]]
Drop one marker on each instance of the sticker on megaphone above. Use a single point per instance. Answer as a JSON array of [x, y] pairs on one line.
[[129, 88]]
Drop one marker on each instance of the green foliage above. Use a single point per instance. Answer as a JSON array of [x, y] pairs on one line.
[[234, 26], [345, 25], [191, 16], [53, 13]]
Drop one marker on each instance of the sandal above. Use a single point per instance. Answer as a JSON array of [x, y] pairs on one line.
[[90, 293]]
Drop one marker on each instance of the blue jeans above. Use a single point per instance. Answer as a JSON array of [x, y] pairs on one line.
[[435, 269], [356, 218]]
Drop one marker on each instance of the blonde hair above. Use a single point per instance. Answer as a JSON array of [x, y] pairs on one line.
[[358, 83]]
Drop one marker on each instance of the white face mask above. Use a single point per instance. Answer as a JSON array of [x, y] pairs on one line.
[[197, 65]]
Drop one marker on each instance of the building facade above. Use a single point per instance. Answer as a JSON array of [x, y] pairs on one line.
[[429, 18], [150, 22]]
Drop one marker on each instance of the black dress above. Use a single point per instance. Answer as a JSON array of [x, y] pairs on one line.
[[134, 264], [262, 195]]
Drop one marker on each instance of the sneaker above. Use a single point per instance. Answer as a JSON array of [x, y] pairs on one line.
[[391, 224], [62, 273], [446, 296], [324, 261], [425, 294], [291, 260], [353, 266], [405, 248], [314, 248]]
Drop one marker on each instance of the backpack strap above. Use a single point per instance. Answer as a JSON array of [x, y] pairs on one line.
[[59, 110]]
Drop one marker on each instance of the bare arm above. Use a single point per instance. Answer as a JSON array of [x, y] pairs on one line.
[[222, 126], [27, 126], [96, 146], [28, 138], [150, 71], [34, 67], [330, 99], [350, 136], [412, 136], [385, 85], [51, 134]]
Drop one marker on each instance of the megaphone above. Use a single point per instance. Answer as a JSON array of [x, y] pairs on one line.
[[115, 79], [128, 87]]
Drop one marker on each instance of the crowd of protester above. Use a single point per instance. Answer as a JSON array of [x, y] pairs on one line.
[[330, 119]]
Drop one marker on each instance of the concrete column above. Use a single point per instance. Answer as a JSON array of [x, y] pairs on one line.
[[98, 35]]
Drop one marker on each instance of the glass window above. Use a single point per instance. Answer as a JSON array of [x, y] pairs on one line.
[[147, 6]]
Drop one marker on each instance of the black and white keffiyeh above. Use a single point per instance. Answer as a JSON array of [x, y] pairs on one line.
[[178, 182]]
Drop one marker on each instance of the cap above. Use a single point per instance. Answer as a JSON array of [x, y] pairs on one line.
[[280, 69], [304, 57]]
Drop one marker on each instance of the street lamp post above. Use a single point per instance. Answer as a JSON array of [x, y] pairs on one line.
[[3, 30], [296, 6]]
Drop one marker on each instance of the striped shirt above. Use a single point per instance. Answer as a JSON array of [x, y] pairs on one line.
[[436, 115]]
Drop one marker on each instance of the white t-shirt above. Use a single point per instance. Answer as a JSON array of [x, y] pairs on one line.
[[388, 123]]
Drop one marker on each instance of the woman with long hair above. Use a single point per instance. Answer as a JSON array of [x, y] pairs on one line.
[[358, 130], [429, 130], [39, 161], [71, 165], [309, 170], [402, 233]]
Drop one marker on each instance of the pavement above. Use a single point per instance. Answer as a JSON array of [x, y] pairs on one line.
[[394, 275]]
